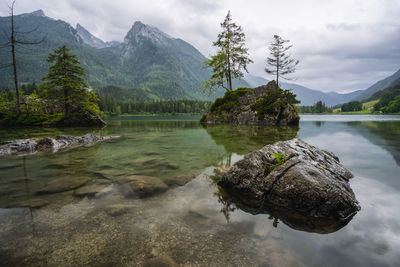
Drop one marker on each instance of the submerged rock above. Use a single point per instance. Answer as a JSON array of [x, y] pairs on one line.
[[63, 184], [50, 144], [295, 176], [264, 105], [142, 186]]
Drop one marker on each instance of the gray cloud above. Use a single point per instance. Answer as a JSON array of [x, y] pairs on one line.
[[342, 45]]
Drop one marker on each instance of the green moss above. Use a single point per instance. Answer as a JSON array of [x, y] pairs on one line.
[[229, 100]]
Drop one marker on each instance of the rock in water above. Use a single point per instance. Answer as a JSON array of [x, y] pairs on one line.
[[142, 186], [264, 105], [50, 144], [305, 179], [63, 184], [19, 146], [67, 141]]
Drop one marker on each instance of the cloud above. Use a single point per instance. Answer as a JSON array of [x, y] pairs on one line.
[[342, 45]]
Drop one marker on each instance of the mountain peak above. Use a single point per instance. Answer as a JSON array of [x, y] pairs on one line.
[[38, 13], [140, 30], [89, 38]]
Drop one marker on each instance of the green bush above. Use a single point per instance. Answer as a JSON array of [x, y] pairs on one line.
[[229, 100]]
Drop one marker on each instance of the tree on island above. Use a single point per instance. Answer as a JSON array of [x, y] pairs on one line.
[[65, 83], [231, 59], [280, 63], [13, 42]]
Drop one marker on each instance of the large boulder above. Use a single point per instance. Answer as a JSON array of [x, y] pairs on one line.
[[294, 176], [264, 105]]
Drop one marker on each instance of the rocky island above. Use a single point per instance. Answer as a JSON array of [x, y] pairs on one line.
[[264, 105], [293, 176]]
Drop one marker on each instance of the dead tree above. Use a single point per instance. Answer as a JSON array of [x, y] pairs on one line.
[[13, 41]]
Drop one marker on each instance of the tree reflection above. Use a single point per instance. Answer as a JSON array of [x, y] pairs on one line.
[[245, 139]]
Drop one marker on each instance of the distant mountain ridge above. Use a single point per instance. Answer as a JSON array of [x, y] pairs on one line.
[[379, 86], [307, 96]]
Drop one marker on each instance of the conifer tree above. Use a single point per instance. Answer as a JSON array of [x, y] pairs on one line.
[[64, 81], [231, 59], [280, 63]]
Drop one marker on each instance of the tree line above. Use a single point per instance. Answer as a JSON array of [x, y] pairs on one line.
[[112, 107], [318, 107]]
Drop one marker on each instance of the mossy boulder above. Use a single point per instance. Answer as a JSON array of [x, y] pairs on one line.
[[264, 105]]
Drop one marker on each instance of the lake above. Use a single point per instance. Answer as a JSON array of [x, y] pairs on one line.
[[191, 223]]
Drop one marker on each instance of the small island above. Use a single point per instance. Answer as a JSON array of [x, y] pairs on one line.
[[264, 105]]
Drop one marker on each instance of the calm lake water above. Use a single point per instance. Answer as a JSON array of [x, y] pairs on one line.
[[191, 224]]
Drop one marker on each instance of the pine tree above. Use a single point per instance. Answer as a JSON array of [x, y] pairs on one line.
[[280, 62], [231, 59], [64, 82]]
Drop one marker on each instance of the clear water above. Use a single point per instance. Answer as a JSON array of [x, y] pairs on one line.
[[190, 224]]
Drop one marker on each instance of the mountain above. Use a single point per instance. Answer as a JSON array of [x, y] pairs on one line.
[[148, 59], [92, 40], [307, 96], [379, 86]]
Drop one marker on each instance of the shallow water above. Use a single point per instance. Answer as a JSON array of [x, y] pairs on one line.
[[191, 224]]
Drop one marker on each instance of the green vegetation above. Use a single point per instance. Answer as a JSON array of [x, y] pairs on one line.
[[389, 101], [64, 83], [229, 100], [231, 58], [274, 102], [63, 99], [352, 106], [318, 107], [280, 158], [109, 106], [370, 104]]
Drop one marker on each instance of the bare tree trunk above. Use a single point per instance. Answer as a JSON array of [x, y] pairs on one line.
[[14, 61], [277, 67]]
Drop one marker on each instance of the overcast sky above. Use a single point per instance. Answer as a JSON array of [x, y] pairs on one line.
[[342, 45]]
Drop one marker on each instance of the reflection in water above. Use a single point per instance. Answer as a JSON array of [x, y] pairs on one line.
[[188, 223], [230, 202], [245, 139]]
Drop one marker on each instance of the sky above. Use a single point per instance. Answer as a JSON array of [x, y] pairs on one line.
[[342, 45]]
